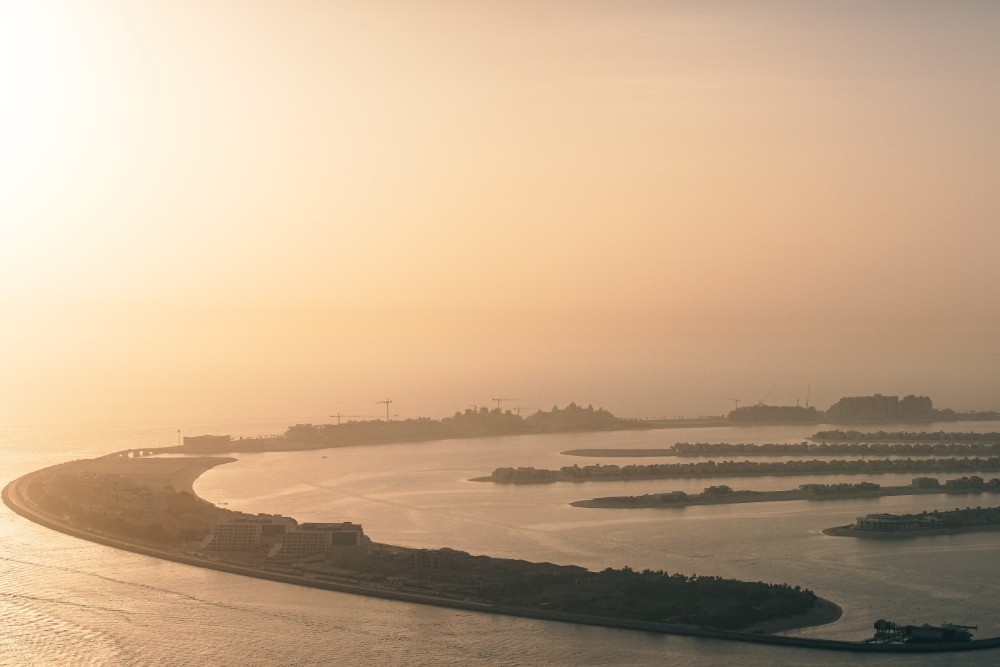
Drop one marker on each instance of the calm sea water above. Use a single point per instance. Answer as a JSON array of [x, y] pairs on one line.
[[67, 601]]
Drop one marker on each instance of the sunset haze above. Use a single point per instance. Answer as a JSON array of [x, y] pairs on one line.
[[238, 209]]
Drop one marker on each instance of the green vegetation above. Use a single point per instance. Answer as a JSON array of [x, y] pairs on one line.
[[714, 602]]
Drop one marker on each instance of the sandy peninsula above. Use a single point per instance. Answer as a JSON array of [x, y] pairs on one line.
[[177, 473]]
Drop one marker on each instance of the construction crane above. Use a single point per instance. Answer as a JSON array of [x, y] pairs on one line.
[[517, 410], [387, 403], [500, 400], [768, 395], [735, 401], [338, 417]]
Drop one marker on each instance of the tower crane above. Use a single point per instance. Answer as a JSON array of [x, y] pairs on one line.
[[735, 401], [338, 417], [500, 400], [768, 395], [387, 403]]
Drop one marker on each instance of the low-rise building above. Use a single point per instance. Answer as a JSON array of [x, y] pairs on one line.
[[965, 483], [248, 533], [316, 538]]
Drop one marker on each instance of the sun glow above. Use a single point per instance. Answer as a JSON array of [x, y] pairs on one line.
[[679, 197]]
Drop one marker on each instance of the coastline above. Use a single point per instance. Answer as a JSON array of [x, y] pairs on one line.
[[847, 531], [742, 497], [701, 470], [283, 443], [181, 473], [637, 453], [823, 613], [177, 473]]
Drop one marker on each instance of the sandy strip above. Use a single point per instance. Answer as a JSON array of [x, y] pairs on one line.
[[823, 612], [178, 473]]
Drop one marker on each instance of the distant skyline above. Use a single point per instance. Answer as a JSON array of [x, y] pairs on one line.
[[299, 208]]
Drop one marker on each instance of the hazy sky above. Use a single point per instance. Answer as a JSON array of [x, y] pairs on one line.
[[242, 209]]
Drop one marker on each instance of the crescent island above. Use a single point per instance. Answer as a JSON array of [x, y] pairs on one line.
[[146, 505]]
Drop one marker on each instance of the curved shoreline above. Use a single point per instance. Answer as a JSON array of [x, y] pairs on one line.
[[824, 612]]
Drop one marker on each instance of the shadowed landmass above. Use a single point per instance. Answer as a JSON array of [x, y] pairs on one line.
[[856, 410], [605, 473], [724, 495], [984, 448], [141, 501], [468, 424], [88, 498], [935, 437], [968, 520]]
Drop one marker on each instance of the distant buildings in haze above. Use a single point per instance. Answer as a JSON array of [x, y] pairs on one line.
[[854, 410]]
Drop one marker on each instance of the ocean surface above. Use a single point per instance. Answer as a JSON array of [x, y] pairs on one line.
[[64, 601]]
